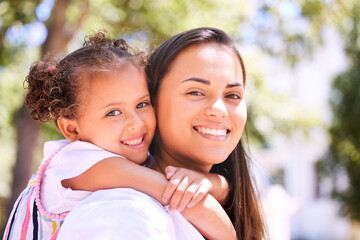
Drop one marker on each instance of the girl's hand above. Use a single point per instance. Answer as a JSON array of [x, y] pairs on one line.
[[185, 188]]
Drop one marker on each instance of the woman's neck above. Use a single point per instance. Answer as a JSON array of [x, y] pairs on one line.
[[162, 159]]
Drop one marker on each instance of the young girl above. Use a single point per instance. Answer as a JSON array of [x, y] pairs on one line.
[[98, 98]]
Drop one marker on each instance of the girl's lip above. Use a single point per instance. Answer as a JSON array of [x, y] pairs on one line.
[[135, 142]]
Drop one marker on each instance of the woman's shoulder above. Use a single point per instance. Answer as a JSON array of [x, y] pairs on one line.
[[128, 214], [123, 195]]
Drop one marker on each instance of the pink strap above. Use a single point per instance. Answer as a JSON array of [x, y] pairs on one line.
[[39, 176]]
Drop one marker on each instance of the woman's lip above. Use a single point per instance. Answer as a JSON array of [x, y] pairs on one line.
[[217, 133], [211, 127]]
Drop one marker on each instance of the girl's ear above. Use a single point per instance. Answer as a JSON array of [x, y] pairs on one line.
[[68, 128]]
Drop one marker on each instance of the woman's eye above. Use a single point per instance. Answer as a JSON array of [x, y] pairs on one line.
[[196, 93], [233, 96], [113, 113], [142, 105]]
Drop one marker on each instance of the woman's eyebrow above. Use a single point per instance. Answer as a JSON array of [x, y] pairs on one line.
[[200, 80], [207, 82], [231, 85]]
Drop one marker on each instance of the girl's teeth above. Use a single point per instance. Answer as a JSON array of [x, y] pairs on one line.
[[213, 132], [133, 142]]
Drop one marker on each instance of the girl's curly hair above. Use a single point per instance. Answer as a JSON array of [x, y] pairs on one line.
[[54, 86]]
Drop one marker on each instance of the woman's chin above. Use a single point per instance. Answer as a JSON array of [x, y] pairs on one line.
[[211, 158]]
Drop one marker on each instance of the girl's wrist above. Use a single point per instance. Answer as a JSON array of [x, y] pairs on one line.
[[220, 187]]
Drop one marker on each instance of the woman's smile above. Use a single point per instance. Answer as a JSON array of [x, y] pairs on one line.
[[216, 133]]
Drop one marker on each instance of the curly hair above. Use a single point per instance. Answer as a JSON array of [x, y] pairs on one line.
[[54, 86]]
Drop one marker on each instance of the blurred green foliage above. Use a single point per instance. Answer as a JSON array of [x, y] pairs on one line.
[[286, 30], [144, 24], [344, 150], [14, 13]]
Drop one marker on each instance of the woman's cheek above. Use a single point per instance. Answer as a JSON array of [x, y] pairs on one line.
[[241, 111]]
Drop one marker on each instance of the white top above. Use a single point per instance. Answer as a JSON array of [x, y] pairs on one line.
[[72, 160], [125, 213], [120, 213]]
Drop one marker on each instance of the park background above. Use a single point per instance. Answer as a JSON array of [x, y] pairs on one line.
[[303, 93]]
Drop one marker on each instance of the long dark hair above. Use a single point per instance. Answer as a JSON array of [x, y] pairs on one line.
[[242, 204]]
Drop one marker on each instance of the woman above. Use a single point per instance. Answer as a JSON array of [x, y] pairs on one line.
[[200, 57], [196, 80]]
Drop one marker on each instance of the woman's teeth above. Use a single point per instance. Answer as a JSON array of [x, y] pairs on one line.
[[213, 132], [133, 141]]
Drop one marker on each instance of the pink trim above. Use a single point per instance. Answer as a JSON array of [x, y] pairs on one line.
[[6, 231], [12, 215], [8, 227], [38, 179], [25, 224]]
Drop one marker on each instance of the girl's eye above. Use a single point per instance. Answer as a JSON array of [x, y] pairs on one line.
[[196, 93], [233, 96], [113, 113], [142, 105]]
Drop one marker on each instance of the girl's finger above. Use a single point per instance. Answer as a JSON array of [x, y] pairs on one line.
[[187, 196], [170, 188], [200, 193], [170, 171], [179, 192]]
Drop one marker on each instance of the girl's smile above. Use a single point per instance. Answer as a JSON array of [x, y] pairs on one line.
[[135, 142]]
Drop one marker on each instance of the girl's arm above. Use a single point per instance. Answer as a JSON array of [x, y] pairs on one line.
[[210, 219], [117, 172], [207, 216]]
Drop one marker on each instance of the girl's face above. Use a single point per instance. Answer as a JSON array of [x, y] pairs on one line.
[[200, 108], [115, 113]]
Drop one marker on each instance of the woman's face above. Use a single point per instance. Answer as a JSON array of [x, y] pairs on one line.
[[200, 107]]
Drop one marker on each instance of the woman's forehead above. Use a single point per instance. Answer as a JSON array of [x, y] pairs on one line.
[[206, 60]]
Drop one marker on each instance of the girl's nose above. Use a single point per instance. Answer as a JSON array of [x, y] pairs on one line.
[[134, 122], [217, 109]]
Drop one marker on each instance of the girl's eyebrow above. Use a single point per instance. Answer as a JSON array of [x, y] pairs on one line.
[[207, 82], [146, 95], [120, 103]]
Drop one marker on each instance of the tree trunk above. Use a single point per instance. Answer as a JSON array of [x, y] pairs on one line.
[[27, 139], [28, 129]]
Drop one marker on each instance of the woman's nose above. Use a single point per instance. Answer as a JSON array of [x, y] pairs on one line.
[[217, 109]]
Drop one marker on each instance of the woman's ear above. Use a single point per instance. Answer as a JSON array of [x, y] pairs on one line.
[[68, 128]]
